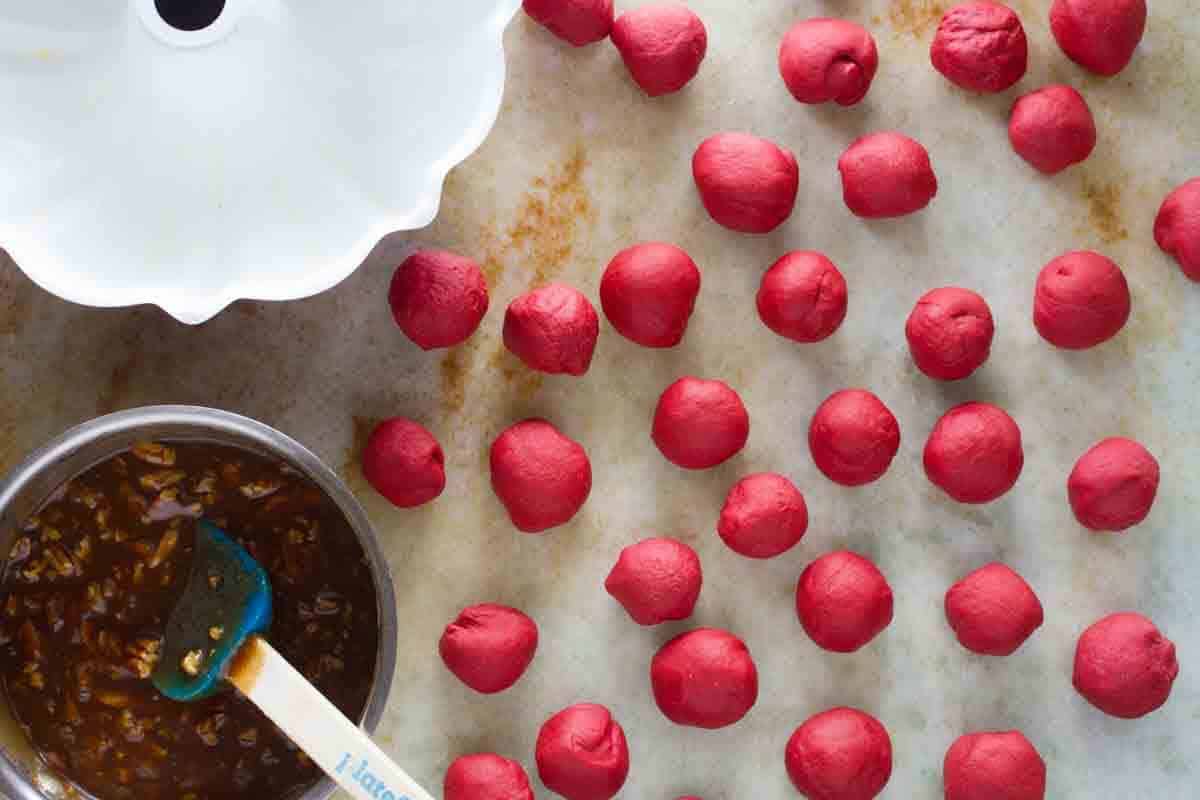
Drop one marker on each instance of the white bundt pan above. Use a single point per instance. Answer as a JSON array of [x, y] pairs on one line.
[[261, 156]]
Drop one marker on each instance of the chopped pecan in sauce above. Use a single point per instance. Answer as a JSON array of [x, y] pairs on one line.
[[90, 581]]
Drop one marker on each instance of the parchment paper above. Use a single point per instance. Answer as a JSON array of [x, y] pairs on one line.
[[581, 165]]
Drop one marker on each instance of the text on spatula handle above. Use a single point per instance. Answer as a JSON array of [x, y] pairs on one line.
[[363, 776]]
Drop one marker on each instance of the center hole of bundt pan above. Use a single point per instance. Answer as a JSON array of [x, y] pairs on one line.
[[189, 15]]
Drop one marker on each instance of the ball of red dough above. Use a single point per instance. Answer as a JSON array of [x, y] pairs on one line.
[[648, 293], [1113, 485], [886, 175], [825, 60], [764, 515], [489, 646], [980, 46], [404, 463], [802, 297], [1052, 128], [553, 329], [1098, 35], [438, 298], [656, 580], [579, 22], [486, 776], [994, 766], [974, 453], [853, 437], [950, 333], [746, 183], [542, 477], [699, 424], [662, 45], [704, 679], [582, 754], [1124, 666], [993, 610], [1177, 227], [1081, 300], [843, 601], [840, 754]]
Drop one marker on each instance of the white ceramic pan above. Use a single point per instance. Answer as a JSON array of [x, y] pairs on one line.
[[261, 156]]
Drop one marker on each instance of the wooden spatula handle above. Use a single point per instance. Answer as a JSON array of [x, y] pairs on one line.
[[334, 743]]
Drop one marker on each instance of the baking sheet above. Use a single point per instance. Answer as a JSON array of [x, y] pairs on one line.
[[581, 165]]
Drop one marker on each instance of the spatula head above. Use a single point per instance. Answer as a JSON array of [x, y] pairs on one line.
[[227, 599]]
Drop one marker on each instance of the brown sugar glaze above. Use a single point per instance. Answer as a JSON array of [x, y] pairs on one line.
[[87, 591]]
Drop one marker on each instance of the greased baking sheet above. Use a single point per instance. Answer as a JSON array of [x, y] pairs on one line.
[[581, 165]]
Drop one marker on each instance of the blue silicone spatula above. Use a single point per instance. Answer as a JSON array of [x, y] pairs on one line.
[[213, 636]]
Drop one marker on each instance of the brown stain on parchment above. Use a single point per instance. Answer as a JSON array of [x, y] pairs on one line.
[[542, 237], [546, 229], [1104, 210], [493, 260], [916, 17], [524, 381], [455, 370], [547, 226]]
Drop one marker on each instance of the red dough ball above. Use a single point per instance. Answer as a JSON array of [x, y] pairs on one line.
[[886, 175], [840, 754], [843, 601], [993, 610], [438, 298], [489, 646], [853, 437], [553, 329], [1124, 666], [486, 776], [656, 580], [579, 22], [662, 45], [981, 47], [828, 59], [1113, 485], [1177, 227], [974, 453], [648, 293], [950, 333], [764, 515], [1098, 35], [1081, 300], [994, 766], [1052, 128], [699, 424], [746, 183], [404, 463], [802, 297], [704, 679], [582, 754], [542, 477]]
